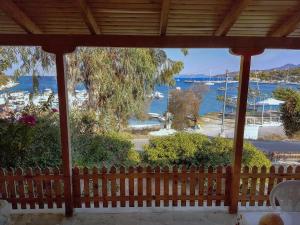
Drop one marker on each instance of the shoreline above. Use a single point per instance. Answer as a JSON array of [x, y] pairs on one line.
[[9, 84]]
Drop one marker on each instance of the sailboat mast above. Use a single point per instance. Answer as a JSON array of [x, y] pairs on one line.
[[224, 103]]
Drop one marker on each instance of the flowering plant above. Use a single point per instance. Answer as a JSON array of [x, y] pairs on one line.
[[27, 119]]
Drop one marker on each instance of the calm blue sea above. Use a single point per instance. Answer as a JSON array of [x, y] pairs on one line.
[[209, 102]]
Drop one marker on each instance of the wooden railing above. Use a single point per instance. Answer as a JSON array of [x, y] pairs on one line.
[[140, 187]]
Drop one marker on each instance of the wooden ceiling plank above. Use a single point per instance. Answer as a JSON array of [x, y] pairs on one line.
[[165, 8], [13, 11], [288, 26], [88, 17], [231, 17]]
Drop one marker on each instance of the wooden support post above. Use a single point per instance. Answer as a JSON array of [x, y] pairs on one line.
[[64, 124], [240, 122]]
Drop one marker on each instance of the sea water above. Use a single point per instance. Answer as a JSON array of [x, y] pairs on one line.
[[209, 99]]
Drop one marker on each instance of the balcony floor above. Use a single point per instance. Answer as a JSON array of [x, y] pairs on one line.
[[181, 217]]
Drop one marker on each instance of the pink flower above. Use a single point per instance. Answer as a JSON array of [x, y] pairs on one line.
[[28, 120]]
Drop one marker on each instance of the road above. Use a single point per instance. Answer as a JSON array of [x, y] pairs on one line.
[[278, 146]]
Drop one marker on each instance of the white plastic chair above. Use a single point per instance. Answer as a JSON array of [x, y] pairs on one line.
[[288, 195]]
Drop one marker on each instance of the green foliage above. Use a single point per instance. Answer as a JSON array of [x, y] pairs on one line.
[[25, 145], [284, 93], [26, 61], [118, 80], [290, 110], [197, 149], [133, 158], [37, 142], [3, 79], [292, 74], [104, 149], [177, 149], [291, 115]]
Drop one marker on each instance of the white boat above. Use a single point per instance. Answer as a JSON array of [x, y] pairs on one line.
[[157, 95], [9, 84], [209, 83]]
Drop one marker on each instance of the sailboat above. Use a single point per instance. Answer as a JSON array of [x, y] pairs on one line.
[[209, 83]]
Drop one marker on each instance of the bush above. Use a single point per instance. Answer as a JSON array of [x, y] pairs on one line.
[[197, 149], [103, 149], [290, 115], [30, 141], [177, 149], [290, 110], [34, 140]]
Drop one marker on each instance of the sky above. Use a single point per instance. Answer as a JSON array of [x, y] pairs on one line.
[[216, 61]]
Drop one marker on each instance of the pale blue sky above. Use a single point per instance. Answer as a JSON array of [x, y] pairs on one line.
[[218, 60]]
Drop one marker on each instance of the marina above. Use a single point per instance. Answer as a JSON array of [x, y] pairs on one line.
[[263, 108]]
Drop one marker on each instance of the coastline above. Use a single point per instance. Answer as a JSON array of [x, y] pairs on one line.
[[8, 85]]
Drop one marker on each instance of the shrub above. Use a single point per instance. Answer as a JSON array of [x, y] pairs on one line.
[[24, 143], [102, 149], [34, 140], [290, 110], [290, 115], [177, 149], [197, 149], [133, 158]]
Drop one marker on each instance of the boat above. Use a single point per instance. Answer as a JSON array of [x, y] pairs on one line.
[[209, 83], [9, 84], [157, 95]]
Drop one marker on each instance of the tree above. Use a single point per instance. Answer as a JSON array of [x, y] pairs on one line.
[[284, 93], [291, 115], [26, 61], [118, 80], [184, 106], [3, 79], [290, 110]]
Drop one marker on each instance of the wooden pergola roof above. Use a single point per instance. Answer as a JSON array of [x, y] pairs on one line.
[[259, 18]]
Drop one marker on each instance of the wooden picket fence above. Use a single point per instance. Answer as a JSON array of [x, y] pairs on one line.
[[140, 187]]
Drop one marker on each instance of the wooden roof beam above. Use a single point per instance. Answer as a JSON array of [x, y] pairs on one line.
[[88, 17], [164, 14], [288, 26], [232, 15], [148, 41], [13, 11]]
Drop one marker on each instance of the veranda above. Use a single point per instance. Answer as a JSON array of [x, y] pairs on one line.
[[245, 27]]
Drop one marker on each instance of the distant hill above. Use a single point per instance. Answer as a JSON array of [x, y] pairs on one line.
[[285, 67], [293, 70], [191, 76]]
